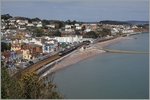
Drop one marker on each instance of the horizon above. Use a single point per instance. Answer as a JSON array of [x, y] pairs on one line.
[[77, 20], [82, 11]]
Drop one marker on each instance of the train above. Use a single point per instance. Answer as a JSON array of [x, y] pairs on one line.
[[35, 66], [68, 50]]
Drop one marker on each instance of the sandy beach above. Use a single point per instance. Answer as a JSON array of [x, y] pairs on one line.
[[82, 54]]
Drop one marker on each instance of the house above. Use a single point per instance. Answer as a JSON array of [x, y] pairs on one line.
[[134, 26], [50, 46], [30, 25], [26, 54], [51, 26], [78, 27], [11, 57], [19, 55], [87, 30], [128, 31], [69, 39], [16, 44], [31, 51], [32, 40], [22, 27], [39, 24], [12, 20], [69, 28], [3, 25], [21, 22], [114, 31], [16, 47]]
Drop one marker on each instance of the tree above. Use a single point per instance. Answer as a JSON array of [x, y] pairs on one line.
[[35, 19], [38, 32], [77, 32], [68, 22], [34, 88], [57, 33], [45, 22], [5, 46], [90, 34], [58, 24], [10, 88], [5, 16], [74, 22], [29, 86], [103, 32]]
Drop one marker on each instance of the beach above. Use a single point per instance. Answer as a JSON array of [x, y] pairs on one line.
[[82, 54]]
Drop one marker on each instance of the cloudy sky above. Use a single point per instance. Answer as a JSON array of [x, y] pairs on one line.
[[81, 10]]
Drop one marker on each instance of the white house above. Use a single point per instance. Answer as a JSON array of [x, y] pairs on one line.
[[51, 26], [68, 28], [50, 46], [21, 27], [114, 31], [69, 39], [39, 24], [33, 40], [78, 27], [134, 26], [22, 22], [87, 30], [128, 31], [30, 24]]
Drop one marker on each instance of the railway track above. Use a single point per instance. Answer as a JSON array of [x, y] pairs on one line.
[[36, 66]]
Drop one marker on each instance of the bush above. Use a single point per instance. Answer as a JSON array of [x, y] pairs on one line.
[[29, 86]]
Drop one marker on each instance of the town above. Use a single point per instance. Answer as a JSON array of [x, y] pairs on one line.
[[26, 41]]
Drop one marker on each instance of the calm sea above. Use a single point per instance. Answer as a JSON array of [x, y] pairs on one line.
[[109, 75]]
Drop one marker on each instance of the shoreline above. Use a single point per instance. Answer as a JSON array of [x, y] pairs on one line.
[[81, 55]]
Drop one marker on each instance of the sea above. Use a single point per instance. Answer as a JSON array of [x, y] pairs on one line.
[[109, 75]]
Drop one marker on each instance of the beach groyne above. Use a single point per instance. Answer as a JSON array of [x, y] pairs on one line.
[[90, 51], [81, 54]]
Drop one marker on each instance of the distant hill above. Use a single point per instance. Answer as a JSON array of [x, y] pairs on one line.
[[134, 22], [137, 22], [89, 22], [114, 22]]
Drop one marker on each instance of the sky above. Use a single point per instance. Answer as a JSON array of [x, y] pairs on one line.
[[80, 10]]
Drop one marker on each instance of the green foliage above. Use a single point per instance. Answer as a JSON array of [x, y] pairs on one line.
[[35, 19], [58, 24], [9, 86], [5, 16], [90, 34], [38, 32], [69, 22], [57, 33], [5, 46], [103, 32], [29, 86], [4, 82], [143, 25], [45, 22]]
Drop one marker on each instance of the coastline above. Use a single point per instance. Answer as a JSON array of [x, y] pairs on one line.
[[81, 55]]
